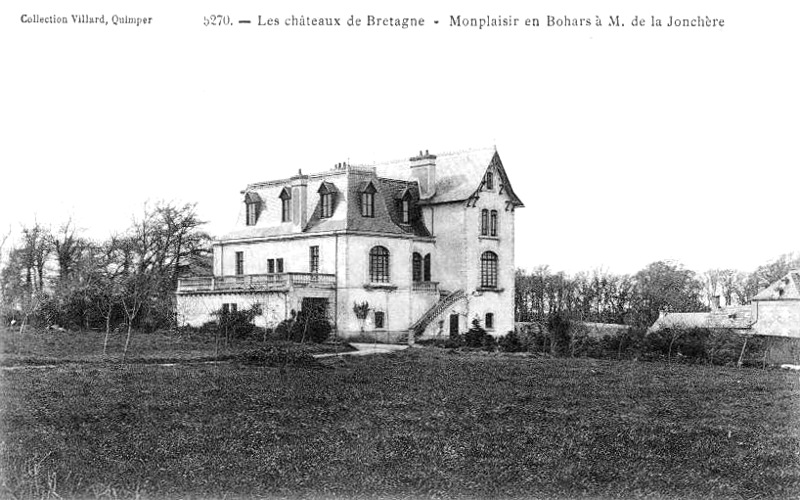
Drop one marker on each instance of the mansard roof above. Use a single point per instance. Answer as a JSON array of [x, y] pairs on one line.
[[786, 288]]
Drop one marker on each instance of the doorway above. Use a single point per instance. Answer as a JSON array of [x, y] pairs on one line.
[[454, 324]]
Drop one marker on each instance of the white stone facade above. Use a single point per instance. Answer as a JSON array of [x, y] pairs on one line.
[[428, 243]]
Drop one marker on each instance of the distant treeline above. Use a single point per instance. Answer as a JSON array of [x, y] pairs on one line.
[[637, 299], [60, 277]]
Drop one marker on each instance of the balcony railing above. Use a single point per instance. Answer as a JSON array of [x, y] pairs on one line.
[[425, 286], [256, 282]]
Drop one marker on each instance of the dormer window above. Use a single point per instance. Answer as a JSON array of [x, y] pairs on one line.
[[489, 180], [286, 205], [368, 201], [404, 208], [253, 208], [327, 199], [327, 205]]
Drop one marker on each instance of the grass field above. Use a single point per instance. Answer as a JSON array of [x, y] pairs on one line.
[[52, 347], [418, 423]]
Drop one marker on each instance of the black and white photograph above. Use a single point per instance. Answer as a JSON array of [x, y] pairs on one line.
[[399, 250]]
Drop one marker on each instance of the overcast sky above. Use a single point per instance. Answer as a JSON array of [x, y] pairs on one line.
[[627, 146]]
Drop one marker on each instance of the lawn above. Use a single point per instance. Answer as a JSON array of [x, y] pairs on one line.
[[418, 423], [41, 347]]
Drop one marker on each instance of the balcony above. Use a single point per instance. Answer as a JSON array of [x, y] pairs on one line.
[[256, 282], [425, 286]]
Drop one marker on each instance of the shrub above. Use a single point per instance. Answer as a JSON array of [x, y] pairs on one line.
[[239, 323], [510, 342], [559, 325], [310, 326], [476, 337]]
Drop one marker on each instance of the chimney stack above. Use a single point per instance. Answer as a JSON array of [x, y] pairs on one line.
[[423, 170], [299, 200]]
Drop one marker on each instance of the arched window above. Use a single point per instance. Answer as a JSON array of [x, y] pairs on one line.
[[489, 270], [493, 223], [426, 269], [379, 265], [416, 267], [484, 222]]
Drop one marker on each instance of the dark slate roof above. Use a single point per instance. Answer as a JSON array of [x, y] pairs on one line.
[[786, 288], [393, 191]]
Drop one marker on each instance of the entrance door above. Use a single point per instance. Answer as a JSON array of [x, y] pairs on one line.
[[454, 324]]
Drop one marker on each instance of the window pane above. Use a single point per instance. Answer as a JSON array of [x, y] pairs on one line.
[[239, 262], [367, 204], [489, 270], [313, 259], [416, 267], [379, 265], [427, 268], [379, 319]]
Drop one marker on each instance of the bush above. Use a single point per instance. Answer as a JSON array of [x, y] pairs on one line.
[[559, 325], [237, 324], [511, 342], [476, 337], [309, 326]]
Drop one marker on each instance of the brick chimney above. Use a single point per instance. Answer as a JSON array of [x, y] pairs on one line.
[[423, 170], [299, 200]]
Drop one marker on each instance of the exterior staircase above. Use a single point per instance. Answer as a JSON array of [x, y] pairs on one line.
[[438, 308]]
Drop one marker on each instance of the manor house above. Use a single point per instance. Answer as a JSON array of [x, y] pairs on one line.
[[427, 243]]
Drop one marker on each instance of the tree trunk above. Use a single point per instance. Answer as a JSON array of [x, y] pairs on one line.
[[108, 330], [127, 339], [741, 354]]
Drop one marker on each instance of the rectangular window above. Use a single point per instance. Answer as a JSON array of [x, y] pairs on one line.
[[327, 205], [270, 266], [226, 308], [489, 321], [239, 262], [279, 263], [379, 265], [313, 259], [368, 204], [234, 307], [493, 225], [251, 214], [484, 222], [286, 210], [404, 211], [426, 275], [380, 319]]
